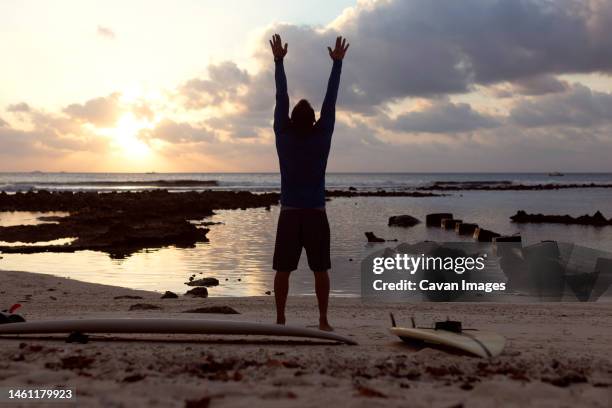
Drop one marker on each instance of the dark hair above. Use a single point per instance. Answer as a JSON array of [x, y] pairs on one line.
[[302, 116]]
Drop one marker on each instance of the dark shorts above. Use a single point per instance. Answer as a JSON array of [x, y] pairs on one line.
[[302, 228]]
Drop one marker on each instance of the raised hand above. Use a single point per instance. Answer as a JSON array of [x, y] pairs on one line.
[[277, 47], [338, 52]]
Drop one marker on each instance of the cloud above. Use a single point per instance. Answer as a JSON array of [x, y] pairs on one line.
[[578, 107], [178, 133], [400, 50], [443, 117], [143, 110], [223, 83], [102, 111], [242, 125], [420, 48], [425, 48], [105, 32], [3, 123], [540, 85], [21, 107], [50, 136]]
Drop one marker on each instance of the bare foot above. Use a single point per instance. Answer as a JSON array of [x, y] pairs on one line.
[[325, 326]]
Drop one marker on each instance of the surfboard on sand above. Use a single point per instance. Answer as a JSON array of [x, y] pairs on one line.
[[166, 326], [450, 334]]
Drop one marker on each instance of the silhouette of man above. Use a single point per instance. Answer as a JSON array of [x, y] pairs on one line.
[[302, 144]]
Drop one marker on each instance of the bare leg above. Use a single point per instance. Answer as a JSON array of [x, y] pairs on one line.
[[322, 291], [281, 290]]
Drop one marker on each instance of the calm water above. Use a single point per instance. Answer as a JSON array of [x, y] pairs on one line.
[[271, 181], [239, 253]]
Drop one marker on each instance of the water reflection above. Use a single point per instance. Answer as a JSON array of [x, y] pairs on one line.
[[11, 218], [60, 241], [239, 253]]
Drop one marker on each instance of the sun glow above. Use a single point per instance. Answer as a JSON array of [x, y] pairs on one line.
[[124, 136]]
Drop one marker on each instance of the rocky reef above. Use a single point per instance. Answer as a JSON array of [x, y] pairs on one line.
[[504, 185], [119, 223], [596, 219], [353, 192]]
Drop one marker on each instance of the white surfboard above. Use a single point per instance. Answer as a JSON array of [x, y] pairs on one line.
[[167, 326], [480, 343]]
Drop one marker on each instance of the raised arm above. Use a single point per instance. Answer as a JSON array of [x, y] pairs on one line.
[[328, 110], [281, 110]]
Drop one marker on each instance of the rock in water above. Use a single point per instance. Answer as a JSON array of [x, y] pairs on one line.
[[403, 221], [373, 238], [199, 291], [169, 295], [208, 282], [435, 220], [484, 235], [465, 228], [449, 223]]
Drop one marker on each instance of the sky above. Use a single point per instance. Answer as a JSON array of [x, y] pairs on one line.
[[187, 86]]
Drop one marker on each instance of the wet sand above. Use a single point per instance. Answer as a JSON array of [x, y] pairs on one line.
[[556, 354]]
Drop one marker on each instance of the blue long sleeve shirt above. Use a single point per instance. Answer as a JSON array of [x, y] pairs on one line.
[[303, 158]]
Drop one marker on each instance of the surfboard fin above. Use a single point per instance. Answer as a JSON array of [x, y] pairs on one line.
[[8, 315], [393, 324]]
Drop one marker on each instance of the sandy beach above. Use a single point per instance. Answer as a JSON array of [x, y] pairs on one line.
[[556, 354]]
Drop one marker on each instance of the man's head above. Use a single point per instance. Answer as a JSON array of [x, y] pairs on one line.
[[303, 116]]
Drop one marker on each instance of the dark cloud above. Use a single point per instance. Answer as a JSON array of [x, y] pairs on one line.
[[578, 107], [105, 32], [102, 111], [424, 47], [443, 117], [223, 83], [420, 48], [540, 85]]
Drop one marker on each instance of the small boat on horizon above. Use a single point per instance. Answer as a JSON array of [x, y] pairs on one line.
[[555, 174]]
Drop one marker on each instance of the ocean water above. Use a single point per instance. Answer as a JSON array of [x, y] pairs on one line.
[[240, 250], [11, 182]]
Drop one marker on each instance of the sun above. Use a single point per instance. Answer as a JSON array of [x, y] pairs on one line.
[[124, 136]]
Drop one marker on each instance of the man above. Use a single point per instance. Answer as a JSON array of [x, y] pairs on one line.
[[302, 144]]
